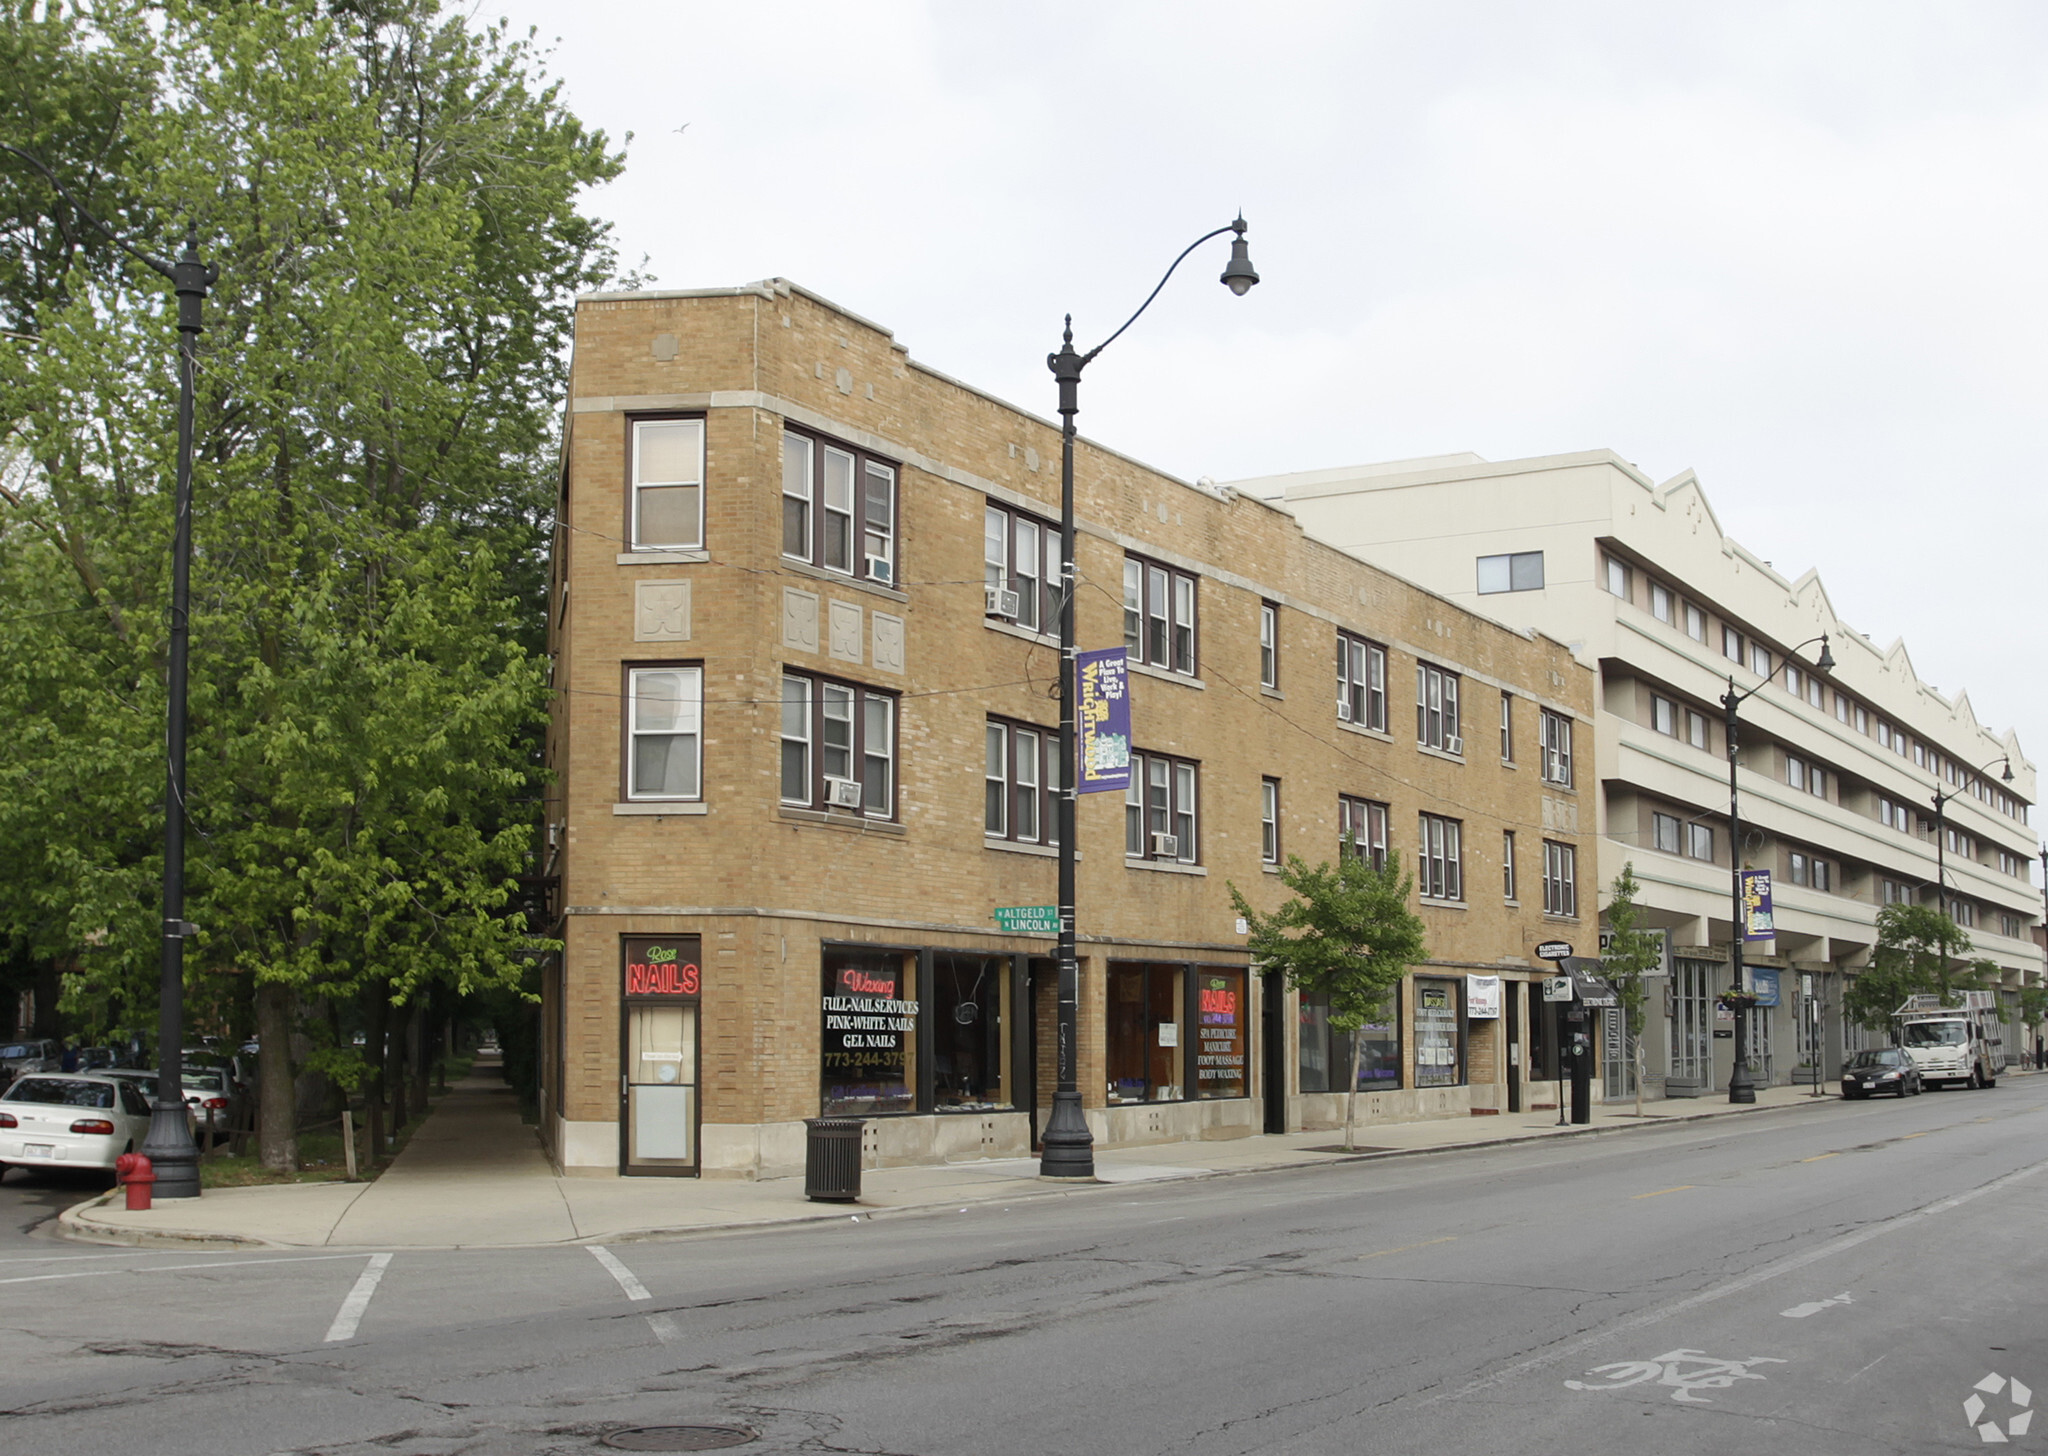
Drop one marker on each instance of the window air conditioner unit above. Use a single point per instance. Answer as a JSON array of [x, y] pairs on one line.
[[1166, 846], [842, 793], [880, 570], [1453, 743], [1002, 602]]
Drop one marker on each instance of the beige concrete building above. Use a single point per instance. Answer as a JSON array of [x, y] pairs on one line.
[[804, 605], [1838, 771]]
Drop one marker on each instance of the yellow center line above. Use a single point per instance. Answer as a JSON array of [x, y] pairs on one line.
[[1818, 1156], [1912, 1135], [1662, 1191], [1382, 1253]]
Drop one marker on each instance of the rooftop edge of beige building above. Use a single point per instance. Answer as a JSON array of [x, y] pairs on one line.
[[1838, 771], [805, 654]]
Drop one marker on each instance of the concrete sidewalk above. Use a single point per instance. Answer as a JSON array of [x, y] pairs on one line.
[[474, 1176]]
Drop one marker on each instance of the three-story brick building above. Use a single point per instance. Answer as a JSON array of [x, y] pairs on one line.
[[804, 742]]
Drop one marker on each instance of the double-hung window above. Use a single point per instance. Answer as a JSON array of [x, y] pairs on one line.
[[1560, 878], [668, 485], [1439, 864], [1695, 622], [1699, 842], [1159, 615], [1507, 727], [1365, 822], [1269, 645], [1021, 783], [1695, 728], [1160, 809], [1663, 715], [1361, 682], [838, 746], [838, 508], [664, 732], [1269, 821], [1759, 659], [1615, 576], [1661, 603], [1021, 553], [1507, 863], [1557, 749], [1731, 644], [1436, 708]]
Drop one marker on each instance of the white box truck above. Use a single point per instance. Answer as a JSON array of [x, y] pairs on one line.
[[1961, 1045]]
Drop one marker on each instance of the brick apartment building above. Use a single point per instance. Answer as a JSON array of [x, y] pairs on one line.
[[804, 728]]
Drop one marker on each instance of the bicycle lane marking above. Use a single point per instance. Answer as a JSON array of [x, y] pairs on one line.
[[663, 1325], [1754, 1277], [350, 1315]]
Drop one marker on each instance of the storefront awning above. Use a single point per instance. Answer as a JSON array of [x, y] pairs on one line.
[[1589, 988]]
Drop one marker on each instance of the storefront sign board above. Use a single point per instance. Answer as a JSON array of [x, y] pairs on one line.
[[1764, 979], [1482, 998], [1557, 988], [1554, 950], [1102, 716]]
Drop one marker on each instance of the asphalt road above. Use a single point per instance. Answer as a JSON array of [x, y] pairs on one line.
[[1834, 1279]]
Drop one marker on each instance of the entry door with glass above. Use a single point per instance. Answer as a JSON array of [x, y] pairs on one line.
[[1692, 1028], [660, 1116]]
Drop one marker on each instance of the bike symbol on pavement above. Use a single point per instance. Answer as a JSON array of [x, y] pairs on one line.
[[1685, 1371], [1990, 1432]]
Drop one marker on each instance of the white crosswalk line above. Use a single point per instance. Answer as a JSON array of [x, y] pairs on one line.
[[351, 1313], [665, 1328], [633, 1287]]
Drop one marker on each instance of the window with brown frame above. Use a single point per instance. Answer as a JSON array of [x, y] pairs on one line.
[[838, 508], [836, 734], [1159, 615]]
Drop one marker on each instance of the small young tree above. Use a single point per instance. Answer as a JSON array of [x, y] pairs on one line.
[[1630, 955], [2033, 1011], [1346, 935]]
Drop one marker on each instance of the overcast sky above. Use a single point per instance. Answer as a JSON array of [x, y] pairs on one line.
[[1798, 248]]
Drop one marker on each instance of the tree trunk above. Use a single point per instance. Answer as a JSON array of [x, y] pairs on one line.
[[373, 1057], [1351, 1096], [395, 1080], [1638, 1047], [276, 1099]]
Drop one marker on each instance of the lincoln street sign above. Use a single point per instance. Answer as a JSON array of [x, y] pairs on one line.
[[1044, 919]]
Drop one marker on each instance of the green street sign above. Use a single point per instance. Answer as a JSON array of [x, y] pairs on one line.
[[1041, 918]]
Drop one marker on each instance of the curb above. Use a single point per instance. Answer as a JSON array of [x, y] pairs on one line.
[[77, 1224]]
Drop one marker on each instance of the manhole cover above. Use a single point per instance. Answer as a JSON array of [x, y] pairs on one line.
[[679, 1438]]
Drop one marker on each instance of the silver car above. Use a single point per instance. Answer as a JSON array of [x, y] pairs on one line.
[[20, 1057]]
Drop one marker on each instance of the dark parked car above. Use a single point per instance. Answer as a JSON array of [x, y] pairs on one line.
[[1886, 1069]]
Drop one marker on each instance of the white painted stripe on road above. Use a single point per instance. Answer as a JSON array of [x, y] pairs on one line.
[[168, 1268], [665, 1328], [1754, 1277], [633, 1287], [351, 1313]]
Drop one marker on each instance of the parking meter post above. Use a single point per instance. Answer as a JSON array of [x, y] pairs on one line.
[[1582, 1066]]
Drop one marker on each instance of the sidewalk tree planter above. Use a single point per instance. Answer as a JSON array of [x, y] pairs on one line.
[[1347, 934]]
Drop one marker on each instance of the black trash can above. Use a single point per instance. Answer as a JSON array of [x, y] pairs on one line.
[[832, 1158]]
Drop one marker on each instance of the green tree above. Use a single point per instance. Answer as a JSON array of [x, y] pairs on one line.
[[2033, 1011], [391, 197], [1912, 957], [1630, 954], [1345, 934]]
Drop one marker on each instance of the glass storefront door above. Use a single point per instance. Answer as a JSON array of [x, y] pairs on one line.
[[661, 1114], [1692, 1028]]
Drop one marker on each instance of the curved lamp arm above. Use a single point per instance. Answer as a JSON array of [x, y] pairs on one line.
[[1825, 663], [1231, 276]]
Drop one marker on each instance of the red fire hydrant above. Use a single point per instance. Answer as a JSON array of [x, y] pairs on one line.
[[135, 1171]]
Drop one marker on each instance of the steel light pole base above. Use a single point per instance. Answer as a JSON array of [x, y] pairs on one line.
[[1740, 1086], [1067, 1149], [171, 1152]]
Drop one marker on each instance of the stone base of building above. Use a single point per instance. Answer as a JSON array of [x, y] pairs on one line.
[[1316, 1111]]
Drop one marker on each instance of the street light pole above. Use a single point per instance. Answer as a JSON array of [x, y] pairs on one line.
[[1941, 862], [1741, 1086], [1067, 1147], [169, 1145]]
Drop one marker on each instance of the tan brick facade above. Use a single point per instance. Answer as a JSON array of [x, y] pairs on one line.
[[765, 885]]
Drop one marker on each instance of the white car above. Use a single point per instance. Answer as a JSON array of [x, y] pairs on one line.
[[70, 1120]]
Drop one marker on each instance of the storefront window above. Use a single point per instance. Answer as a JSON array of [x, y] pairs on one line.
[[1326, 1052], [1220, 1011], [970, 1058], [1439, 1038], [1145, 1053], [870, 1024]]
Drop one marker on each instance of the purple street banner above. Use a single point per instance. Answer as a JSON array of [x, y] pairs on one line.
[[1102, 713], [1756, 906]]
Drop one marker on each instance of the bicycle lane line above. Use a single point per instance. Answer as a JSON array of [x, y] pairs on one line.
[[663, 1325], [1754, 1277]]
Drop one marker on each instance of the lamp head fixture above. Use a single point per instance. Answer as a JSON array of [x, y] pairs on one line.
[[1239, 276], [2008, 771], [1827, 658]]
